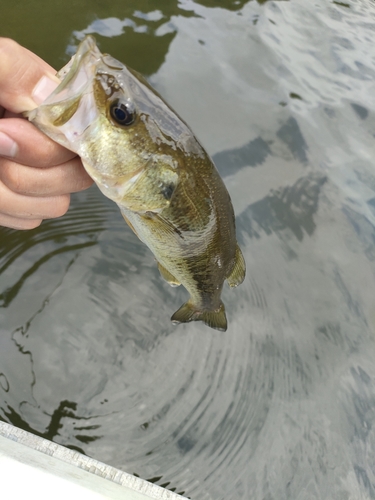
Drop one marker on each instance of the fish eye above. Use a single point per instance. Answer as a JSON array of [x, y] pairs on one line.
[[122, 113]]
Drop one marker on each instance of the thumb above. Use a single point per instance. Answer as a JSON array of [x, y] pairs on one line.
[[25, 79]]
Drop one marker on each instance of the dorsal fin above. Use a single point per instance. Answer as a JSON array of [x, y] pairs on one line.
[[238, 272]]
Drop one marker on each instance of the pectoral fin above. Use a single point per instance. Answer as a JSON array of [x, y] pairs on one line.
[[153, 189], [169, 278], [238, 272]]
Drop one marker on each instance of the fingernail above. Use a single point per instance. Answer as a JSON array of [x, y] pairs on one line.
[[8, 146], [43, 89]]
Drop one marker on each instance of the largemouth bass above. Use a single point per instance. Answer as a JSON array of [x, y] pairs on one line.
[[144, 157]]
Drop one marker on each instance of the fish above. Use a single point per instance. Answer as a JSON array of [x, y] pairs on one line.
[[146, 159]]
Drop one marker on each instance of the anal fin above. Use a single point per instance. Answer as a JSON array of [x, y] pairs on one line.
[[238, 272], [169, 278]]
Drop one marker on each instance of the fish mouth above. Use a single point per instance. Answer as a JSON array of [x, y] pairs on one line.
[[76, 76], [70, 109]]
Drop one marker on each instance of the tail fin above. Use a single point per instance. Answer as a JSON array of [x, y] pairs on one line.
[[214, 318]]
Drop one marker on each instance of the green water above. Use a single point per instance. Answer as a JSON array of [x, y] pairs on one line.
[[46, 28], [281, 406]]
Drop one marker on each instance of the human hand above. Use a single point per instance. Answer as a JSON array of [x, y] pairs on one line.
[[36, 174]]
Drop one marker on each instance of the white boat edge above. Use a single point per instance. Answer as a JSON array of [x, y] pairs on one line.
[[31, 466]]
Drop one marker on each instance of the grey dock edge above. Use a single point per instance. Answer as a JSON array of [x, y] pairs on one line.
[[21, 452]]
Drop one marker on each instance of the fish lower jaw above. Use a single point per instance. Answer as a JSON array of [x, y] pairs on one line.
[[114, 192], [114, 188]]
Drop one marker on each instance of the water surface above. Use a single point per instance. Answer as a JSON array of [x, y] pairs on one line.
[[282, 405]]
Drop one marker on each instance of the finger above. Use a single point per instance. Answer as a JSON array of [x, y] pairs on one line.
[[69, 177], [27, 207], [25, 79], [31, 146], [16, 223]]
